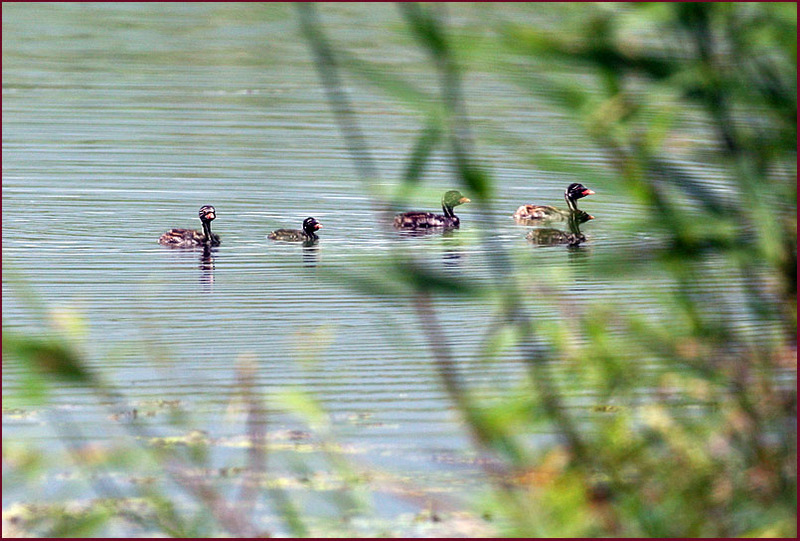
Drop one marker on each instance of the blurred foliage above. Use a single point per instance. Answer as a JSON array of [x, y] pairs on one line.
[[690, 426], [694, 431]]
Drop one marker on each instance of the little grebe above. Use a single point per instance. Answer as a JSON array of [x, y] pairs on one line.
[[547, 213], [191, 238], [310, 226], [424, 220]]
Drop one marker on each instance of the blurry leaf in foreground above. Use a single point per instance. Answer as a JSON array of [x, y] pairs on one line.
[[477, 181], [46, 355], [70, 322], [424, 25], [71, 519], [400, 277], [382, 77], [425, 145], [310, 344], [302, 404]]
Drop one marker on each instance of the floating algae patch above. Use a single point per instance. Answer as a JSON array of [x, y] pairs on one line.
[[364, 420], [605, 408], [320, 481], [245, 442], [75, 518], [113, 517], [130, 415], [283, 440], [159, 403], [146, 408], [190, 439], [425, 524], [20, 415]]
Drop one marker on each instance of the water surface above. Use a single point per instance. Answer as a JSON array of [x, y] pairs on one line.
[[121, 120]]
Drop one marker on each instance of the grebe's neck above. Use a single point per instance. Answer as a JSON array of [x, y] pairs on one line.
[[573, 206], [207, 230]]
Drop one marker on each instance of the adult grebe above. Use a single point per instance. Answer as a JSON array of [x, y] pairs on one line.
[[425, 220], [547, 213], [191, 238]]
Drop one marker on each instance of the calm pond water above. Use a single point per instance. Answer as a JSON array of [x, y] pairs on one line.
[[120, 121]]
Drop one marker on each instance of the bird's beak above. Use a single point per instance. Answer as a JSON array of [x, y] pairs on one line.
[[464, 200], [210, 216], [590, 216], [587, 191], [317, 226]]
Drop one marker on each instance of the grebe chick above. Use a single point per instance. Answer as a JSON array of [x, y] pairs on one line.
[[191, 238], [425, 220], [310, 226], [541, 213]]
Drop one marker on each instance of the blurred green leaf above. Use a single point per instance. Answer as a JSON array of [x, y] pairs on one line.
[[48, 355], [398, 276], [381, 77], [425, 27], [426, 143]]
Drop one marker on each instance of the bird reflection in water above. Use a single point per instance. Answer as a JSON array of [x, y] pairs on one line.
[[451, 256], [206, 267], [310, 253], [547, 236], [452, 252]]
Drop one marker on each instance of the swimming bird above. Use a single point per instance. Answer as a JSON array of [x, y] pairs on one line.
[[573, 192], [308, 233], [191, 238], [424, 220]]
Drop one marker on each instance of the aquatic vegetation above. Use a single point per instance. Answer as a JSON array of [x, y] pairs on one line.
[[676, 421]]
